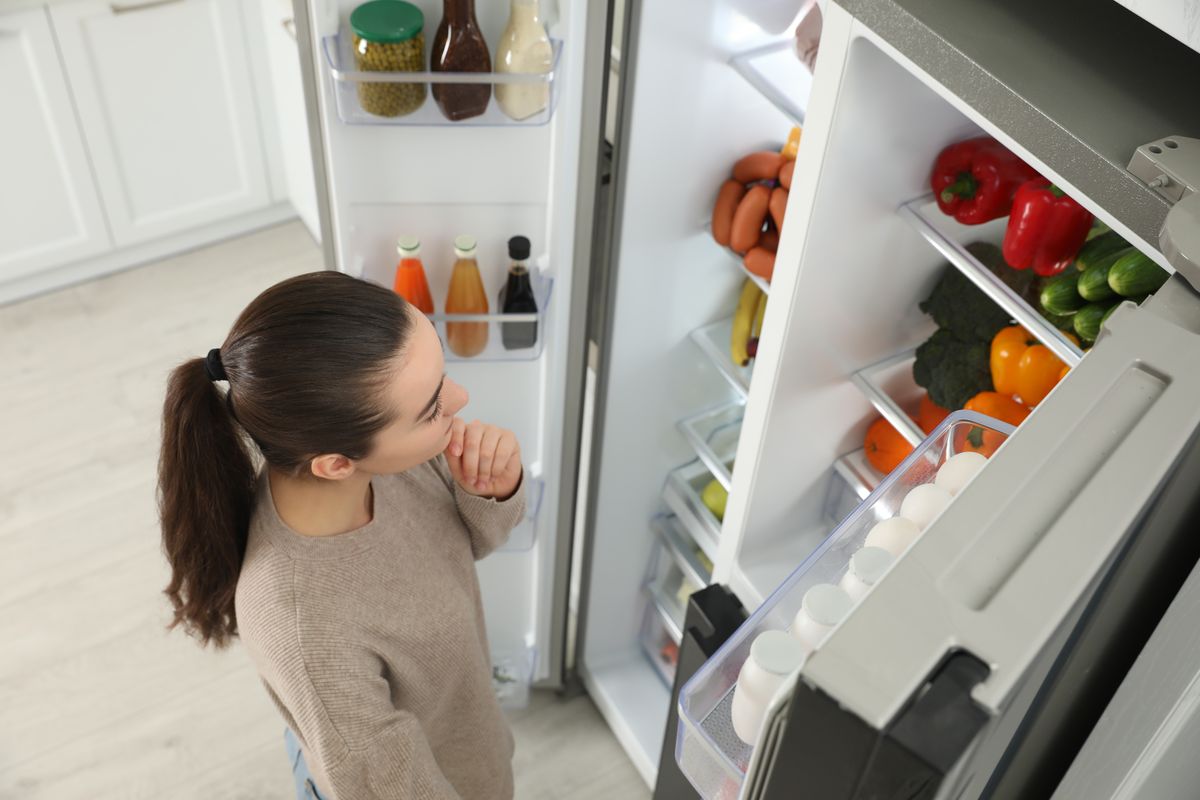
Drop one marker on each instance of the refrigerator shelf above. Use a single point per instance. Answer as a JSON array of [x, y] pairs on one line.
[[682, 495], [657, 645], [949, 237], [858, 473], [889, 386], [512, 674], [687, 555], [713, 434], [543, 286], [706, 747], [778, 74], [524, 535], [669, 586], [713, 341], [339, 62]]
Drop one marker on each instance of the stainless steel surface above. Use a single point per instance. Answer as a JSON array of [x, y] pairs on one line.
[[591, 131], [1080, 84], [303, 23]]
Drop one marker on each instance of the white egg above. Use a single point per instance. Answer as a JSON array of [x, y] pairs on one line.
[[924, 503], [893, 535], [958, 471]]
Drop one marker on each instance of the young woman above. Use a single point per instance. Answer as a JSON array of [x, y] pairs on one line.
[[346, 563]]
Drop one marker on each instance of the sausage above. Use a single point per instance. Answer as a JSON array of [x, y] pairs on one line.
[[778, 205], [761, 262], [730, 194], [748, 218], [785, 174], [769, 239], [761, 166]]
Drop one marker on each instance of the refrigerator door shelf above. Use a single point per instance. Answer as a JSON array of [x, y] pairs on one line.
[[524, 535], [713, 434], [713, 340], [346, 78], [660, 649], [512, 672], [709, 751], [779, 75], [950, 238], [889, 385], [496, 350], [686, 554], [682, 495]]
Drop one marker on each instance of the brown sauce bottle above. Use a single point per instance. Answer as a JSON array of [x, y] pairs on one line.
[[459, 46]]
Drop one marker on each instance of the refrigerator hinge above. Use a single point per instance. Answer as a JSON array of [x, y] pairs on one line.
[[1171, 166]]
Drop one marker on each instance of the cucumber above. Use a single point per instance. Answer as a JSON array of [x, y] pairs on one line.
[[1089, 318], [1134, 274], [1093, 281], [1060, 321], [1097, 247], [1060, 295]]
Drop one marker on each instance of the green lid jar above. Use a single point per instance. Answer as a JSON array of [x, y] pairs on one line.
[[388, 37]]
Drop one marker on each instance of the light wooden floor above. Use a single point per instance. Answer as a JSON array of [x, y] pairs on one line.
[[96, 701]]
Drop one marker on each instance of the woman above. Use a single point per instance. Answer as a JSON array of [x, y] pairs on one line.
[[346, 565]]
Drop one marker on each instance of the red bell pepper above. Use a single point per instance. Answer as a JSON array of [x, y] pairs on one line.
[[974, 180], [1046, 228]]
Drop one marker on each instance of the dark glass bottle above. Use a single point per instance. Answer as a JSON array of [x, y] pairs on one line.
[[517, 298], [459, 46]]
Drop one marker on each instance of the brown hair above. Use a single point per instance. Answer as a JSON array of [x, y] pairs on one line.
[[305, 362]]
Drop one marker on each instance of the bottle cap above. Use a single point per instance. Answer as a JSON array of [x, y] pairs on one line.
[[387, 21], [518, 248], [869, 564], [464, 246], [826, 604], [777, 652], [408, 246]]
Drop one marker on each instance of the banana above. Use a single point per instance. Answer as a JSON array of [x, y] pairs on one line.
[[743, 320], [760, 310]]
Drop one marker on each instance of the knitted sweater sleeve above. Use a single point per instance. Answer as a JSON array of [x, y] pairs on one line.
[[488, 521]]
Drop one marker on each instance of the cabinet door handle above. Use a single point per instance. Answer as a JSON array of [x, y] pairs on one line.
[[125, 8], [289, 25]]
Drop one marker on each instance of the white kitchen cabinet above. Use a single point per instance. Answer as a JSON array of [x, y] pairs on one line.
[[163, 92], [279, 31], [48, 200]]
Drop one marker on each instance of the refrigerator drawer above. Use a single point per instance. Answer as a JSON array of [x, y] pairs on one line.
[[709, 752]]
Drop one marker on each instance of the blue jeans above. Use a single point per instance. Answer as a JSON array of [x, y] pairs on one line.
[[306, 788]]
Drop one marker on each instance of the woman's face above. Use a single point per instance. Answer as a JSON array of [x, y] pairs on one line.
[[424, 401]]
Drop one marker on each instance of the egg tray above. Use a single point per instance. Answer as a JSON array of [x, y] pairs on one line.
[[708, 753]]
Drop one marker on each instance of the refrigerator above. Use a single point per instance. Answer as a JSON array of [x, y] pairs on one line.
[[965, 670]]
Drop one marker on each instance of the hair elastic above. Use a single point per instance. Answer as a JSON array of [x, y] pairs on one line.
[[214, 367]]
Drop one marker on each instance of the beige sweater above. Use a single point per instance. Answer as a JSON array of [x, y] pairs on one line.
[[372, 643]]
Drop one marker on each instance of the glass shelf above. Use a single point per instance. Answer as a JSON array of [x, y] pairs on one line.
[[713, 340], [688, 555], [889, 386], [669, 584], [714, 436], [657, 645], [497, 326], [779, 75], [339, 62], [524, 535], [709, 752], [682, 496], [950, 238]]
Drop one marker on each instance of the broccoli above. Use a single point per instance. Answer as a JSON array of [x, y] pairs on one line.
[[953, 370], [961, 307]]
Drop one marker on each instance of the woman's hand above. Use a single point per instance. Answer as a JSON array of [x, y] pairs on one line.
[[484, 459]]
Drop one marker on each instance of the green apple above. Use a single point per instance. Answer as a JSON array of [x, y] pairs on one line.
[[715, 497]]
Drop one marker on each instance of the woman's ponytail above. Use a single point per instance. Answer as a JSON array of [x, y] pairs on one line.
[[206, 482]]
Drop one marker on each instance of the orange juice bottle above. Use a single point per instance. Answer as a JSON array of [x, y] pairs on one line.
[[410, 275], [466, 296]]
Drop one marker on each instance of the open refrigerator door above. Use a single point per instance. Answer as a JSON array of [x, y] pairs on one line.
[[392, 163]]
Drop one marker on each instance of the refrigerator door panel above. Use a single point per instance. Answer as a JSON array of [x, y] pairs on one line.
[[378, 182]]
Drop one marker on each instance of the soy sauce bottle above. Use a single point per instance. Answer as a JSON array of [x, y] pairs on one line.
[[517, 298]]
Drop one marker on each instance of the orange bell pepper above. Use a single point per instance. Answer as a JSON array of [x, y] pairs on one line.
[[997, 406], [1022, 367]]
